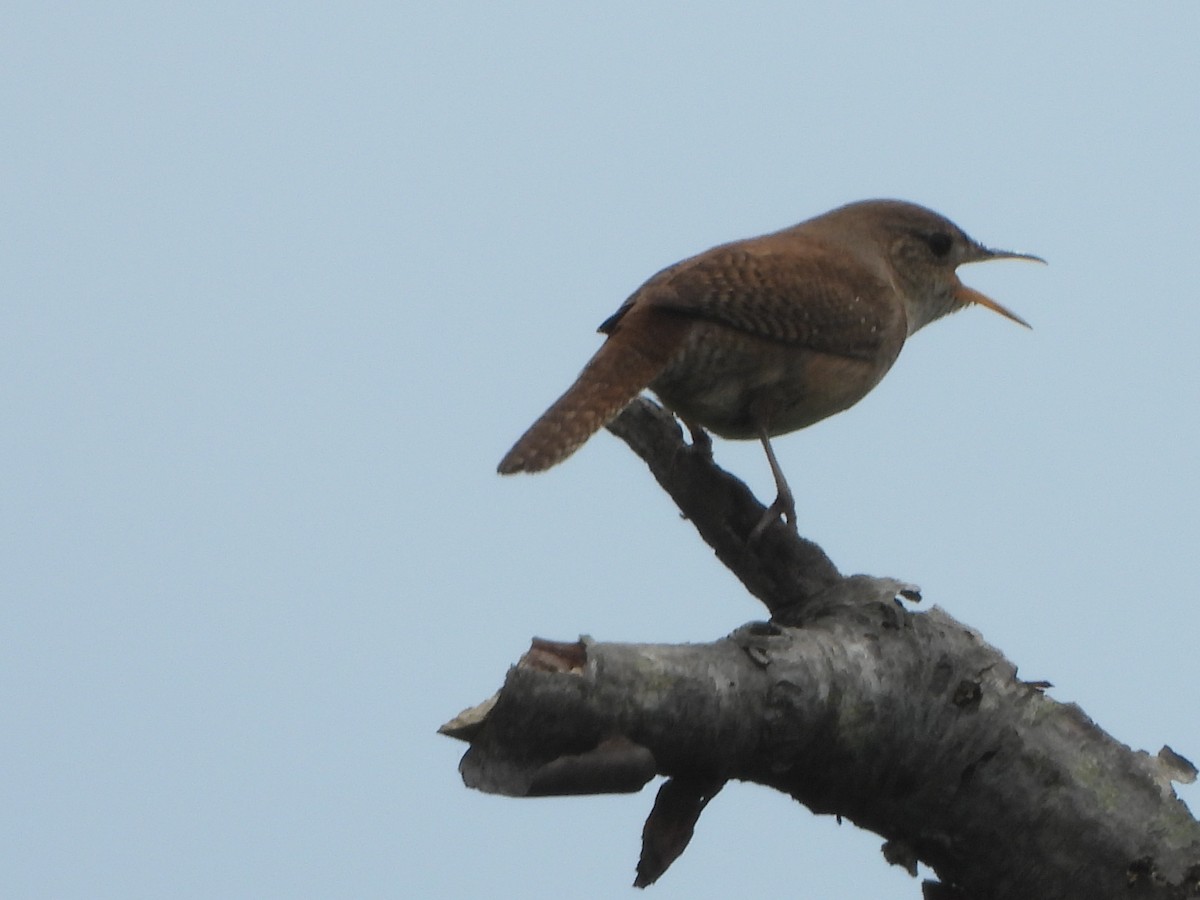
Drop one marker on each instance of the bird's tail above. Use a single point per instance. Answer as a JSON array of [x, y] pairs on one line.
[[628, 361]]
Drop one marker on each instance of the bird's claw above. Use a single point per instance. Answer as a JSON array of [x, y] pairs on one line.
[[783, 506], [701, 440]]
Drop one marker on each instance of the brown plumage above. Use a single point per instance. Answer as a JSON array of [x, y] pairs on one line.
[[765, 336]]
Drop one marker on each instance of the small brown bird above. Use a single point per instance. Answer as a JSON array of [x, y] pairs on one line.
[[765, 336]]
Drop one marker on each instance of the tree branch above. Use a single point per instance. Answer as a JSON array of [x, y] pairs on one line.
[[907, 724], [779, 568]]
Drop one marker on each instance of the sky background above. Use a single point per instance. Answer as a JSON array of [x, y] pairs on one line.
[[280, 283]]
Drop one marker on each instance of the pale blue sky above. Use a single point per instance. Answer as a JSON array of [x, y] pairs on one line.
[[280, 283]]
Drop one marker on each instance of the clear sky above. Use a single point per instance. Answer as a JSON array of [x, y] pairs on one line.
[[279, 284]]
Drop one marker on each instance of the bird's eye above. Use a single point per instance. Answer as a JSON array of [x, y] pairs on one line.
[[939, 243]]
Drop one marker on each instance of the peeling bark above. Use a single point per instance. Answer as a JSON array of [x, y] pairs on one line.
[[908, 724]]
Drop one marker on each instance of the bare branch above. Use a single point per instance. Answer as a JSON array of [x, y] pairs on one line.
[[908, 724], [778, 568]]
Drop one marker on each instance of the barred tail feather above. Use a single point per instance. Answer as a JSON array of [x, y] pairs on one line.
[[611, 379]]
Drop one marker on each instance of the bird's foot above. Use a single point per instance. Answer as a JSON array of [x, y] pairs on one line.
[[701, 440], [783, 506]]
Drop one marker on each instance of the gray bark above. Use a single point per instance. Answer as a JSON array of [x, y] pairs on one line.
[[906, 723]]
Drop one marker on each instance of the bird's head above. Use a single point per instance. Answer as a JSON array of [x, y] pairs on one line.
[[921, 251]]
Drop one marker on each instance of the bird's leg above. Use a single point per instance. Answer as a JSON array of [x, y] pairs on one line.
[[784, 503], [701, 440]]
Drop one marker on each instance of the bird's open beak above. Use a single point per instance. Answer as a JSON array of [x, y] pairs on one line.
[[970, 295]]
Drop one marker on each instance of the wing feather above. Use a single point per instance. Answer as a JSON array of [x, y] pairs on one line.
[[803, 300]]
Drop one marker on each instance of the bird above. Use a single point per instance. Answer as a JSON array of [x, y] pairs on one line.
[[761, 337]]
